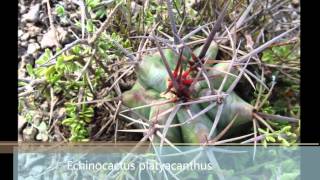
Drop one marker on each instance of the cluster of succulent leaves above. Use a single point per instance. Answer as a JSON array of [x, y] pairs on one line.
[[280, 53], [77, 121], [60, 78], [285, 55], [285, 136]]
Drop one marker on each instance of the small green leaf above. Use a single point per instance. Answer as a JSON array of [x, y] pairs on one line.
[[77, 24], [264, 142], [286, 129], [30, 70], [92, 3], [77, 128], [76, 49], [60, 10], [262, 131], [21, 83], [271, 139], [44, 57], [69, 58], [40, 71], [101, 12], [68, 121], [90, 26]]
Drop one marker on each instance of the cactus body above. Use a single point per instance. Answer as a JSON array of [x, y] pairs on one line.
[[233, 105], [152, 73], [198, 129], [153, 82], [139, 96], [174, 133]]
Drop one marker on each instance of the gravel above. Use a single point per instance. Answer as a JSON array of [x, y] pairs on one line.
[[32, 15], [32, 48]]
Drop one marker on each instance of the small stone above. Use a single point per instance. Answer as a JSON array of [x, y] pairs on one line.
[[278, 27], [26, 59], [32, 15], [20, 33], [23, 9], [62, 34], [48, 39], [32, 41], [29, 133], [64, 21], [32, 48], [23, 44], [60, 114], [43, 134], [74, 16], [135, 8], [34, 31], [39, 37], [25, 37], [295, 2], [45, 106], [27, 26], [21, 51], [42, 15], [36, 55]]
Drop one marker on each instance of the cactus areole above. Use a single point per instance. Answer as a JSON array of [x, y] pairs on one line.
[[154, 85]]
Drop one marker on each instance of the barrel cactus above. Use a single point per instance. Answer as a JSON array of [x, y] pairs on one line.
[[154, 86], [188, 95]]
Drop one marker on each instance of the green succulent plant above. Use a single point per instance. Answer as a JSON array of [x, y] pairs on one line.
[[153, 87]]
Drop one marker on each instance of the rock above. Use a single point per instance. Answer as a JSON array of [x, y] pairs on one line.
[[29, 133], [39, 38], [32, 15], [135, 8], [74, 16], [60, 114], [62, 34], [21, 51], [23, 44], [20, 33], [45, 106], [42, 132], [25, 37], [64, 21], [23, 9], [31, 41], [36, 55], [34, 31], [28, 25], [32, 48], [295, 3], [26, 59], [48, 39]]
